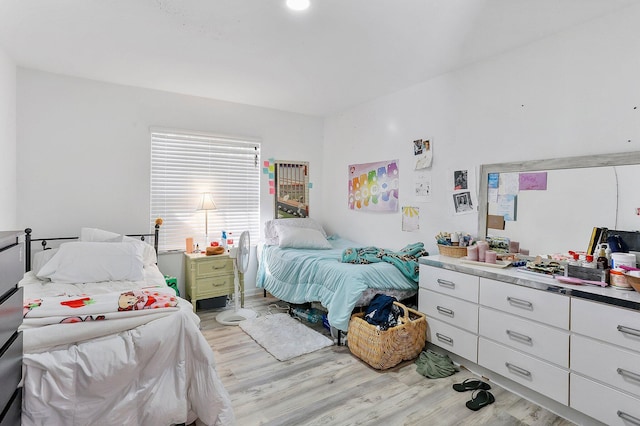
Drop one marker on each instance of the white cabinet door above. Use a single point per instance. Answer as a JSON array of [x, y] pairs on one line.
[[537, 339], [456, 284], [548, 308]]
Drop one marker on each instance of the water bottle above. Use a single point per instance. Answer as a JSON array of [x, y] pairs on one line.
[[223, 240], [308, 315]]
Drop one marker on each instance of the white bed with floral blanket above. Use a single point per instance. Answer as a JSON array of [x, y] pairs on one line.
[[107, 342]]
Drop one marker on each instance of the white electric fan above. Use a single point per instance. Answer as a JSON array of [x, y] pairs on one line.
[[241, 263]]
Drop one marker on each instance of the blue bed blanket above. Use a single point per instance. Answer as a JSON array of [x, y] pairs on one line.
[[406, 259], [301, 275]]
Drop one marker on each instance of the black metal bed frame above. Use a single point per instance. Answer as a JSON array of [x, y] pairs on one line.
[[44, 242]]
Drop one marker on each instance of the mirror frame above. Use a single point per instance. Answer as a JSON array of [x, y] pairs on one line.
[[598, 160]]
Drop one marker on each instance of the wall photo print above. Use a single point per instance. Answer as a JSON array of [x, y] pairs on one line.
[[423, 153], [462, 202], [374, 186]]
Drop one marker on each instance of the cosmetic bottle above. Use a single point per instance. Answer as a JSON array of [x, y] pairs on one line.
[[588, 262], [602, 262]]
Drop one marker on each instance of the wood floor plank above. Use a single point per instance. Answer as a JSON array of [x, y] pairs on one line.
[[332, 387]]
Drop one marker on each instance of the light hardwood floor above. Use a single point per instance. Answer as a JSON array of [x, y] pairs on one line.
[[332, 387]]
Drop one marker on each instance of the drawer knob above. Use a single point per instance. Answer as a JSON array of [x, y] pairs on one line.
[[517, 369], [628, 374], [628, 330], [445, 283], [444, 338], [520, 303], [518, 336], [445, 311], [629, 418]]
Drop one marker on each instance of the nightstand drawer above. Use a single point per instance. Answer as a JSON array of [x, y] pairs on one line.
[[10, 368], [10, 314], [214, 286], [11, 267], [213, 266]]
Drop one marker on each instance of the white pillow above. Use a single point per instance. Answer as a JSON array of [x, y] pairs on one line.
[[98, 235], [149, 256], [40, 258], [90, 262], [303, 238], [271, 233]]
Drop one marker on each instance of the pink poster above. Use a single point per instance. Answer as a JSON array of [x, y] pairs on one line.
[[536, 181], [374, 186]]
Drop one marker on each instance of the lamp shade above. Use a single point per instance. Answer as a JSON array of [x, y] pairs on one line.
[[206, 203]]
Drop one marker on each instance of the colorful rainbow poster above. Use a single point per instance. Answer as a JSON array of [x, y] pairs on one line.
[[374, 186]]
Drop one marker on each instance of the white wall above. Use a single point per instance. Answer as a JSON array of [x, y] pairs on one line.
[[571, 94], [7, 143], [84, 159]]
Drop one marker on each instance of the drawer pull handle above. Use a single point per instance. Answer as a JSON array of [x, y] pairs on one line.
[[628, 330], [517, 369], [629, 374], [520, 303], [445, 283], [629, 418], [519, 336], [445, 311], [444, 338]]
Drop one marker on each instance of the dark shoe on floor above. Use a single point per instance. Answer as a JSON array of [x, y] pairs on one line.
[[471, 384], [480, 399]]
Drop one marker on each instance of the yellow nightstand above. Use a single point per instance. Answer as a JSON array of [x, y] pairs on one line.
[[208, 276]]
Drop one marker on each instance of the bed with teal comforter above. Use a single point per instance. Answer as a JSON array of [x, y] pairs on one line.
[[304, 275]]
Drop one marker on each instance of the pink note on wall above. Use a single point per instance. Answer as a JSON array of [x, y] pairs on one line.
[[272, 190], [533, 181]]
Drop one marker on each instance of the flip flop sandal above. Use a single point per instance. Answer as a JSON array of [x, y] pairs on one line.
[[480, 399], [471, 384]]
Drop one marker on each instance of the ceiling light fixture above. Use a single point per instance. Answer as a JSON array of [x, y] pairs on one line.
[[298, 4]]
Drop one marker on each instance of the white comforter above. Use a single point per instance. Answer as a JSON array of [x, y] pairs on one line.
[[154, 369]]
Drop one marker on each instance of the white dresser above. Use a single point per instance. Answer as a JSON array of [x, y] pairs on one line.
[[573, 346]]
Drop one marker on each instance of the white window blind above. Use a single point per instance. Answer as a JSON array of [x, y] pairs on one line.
[[183, 167]]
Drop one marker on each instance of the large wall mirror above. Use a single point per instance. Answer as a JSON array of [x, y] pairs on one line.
[[581, 193], [292, 189]]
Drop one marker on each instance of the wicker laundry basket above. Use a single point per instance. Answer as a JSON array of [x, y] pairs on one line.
[[384, 349], [452, 251]]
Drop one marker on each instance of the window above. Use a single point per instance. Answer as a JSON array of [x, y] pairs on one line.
[[184, 166]]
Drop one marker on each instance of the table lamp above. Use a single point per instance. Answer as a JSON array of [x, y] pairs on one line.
[[206, 204]]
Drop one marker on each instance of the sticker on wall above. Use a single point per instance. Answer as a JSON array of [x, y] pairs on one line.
[[410, 219], [374, 186], [423, 153]]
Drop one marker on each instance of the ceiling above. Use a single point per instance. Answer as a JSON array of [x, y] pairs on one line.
[[335, 55]]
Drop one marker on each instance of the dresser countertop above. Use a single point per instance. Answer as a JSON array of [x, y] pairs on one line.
[[624, 298]]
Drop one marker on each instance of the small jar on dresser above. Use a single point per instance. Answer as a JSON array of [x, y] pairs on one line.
[[208, 276], [11, 271]]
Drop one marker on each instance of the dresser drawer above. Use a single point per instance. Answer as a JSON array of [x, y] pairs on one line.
[[605, 322], [213, 266], [11, 267], [214, 286], [603, 403], [12, 414], [531, 372], [452, 283], [609, 364], [530, 303], [10, 314], [10, 368], [453, 339], [454, 311], [536, 339]]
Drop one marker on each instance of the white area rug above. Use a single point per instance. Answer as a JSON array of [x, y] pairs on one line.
[[284, 337]]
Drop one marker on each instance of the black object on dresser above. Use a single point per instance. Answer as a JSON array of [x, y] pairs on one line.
[[11, 271]]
